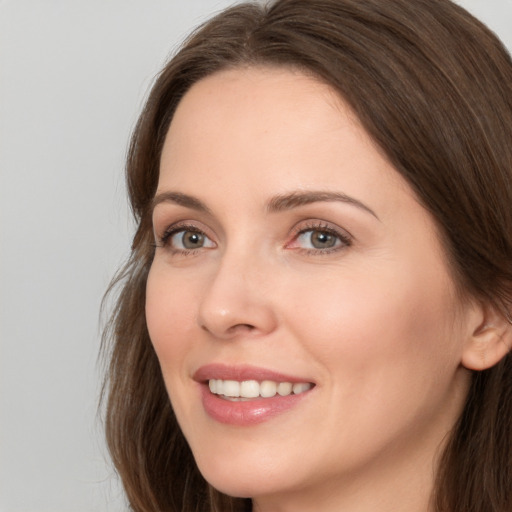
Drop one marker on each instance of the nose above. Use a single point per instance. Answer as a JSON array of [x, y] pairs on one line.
[[236, 300]]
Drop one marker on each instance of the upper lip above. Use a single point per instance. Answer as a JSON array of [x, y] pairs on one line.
[[241, 373]]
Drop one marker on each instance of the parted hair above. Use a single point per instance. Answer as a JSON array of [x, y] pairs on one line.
[[432, 86]]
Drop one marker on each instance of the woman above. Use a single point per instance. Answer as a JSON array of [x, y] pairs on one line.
[[316, 312]]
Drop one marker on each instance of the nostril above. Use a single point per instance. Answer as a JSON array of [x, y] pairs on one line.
[[237, 328], [241, 327]]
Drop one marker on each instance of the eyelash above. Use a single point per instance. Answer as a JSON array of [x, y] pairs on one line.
[[321, 227], [164, 240]]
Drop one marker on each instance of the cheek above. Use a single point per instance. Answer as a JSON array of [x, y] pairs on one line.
[[396, 315], [169, 315], [386, 350]]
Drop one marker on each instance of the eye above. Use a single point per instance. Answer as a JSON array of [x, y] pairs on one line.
[[320, 239], [316, 239], [186, 239]]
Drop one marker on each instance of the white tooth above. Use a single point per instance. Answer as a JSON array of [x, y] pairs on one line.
[[231, 388], [249, 389], [268, 388], [300, 387], [284, 388], [253, 389]]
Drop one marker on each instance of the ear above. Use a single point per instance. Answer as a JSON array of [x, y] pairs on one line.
[[490, 341]]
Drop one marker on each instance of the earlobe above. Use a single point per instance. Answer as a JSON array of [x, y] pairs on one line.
[[489, 342]]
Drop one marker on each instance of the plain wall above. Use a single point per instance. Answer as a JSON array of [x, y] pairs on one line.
[[73, 75]]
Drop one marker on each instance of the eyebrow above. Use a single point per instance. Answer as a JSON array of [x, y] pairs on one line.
[[181, 200], [297, 199], [278, 203]]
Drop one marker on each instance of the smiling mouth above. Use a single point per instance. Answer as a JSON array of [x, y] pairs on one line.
[[246, 390]]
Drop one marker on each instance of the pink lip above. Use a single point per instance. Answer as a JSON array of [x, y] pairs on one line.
[[250, 412], [242, 372]]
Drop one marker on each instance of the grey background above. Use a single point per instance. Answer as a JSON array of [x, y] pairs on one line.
[[73, 76]]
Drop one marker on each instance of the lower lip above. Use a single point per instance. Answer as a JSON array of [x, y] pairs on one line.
[[249, 412]]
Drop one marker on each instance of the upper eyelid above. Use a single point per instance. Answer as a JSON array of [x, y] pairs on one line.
[[177, 228], [318, 224], [170, 212], [164, 218], [161, 226]]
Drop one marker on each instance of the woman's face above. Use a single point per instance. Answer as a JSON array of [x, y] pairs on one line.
[[290, 252]]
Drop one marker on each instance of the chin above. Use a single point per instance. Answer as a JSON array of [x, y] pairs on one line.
[[239, 480], [238, 486]]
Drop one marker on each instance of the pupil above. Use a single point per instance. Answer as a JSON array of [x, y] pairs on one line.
[[192, 240], [321, 240]]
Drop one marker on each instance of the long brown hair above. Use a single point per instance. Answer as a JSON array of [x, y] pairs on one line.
[[433, 88]]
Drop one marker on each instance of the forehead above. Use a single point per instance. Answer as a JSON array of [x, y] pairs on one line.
[[277, 99], [268, 121]]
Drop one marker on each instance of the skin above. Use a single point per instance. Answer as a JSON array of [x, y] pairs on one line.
[[374, 323]]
